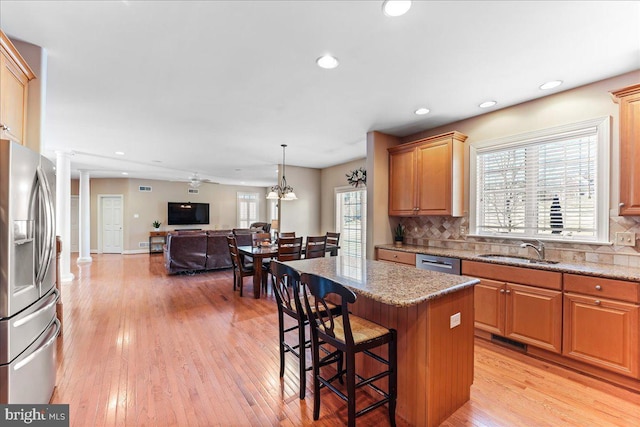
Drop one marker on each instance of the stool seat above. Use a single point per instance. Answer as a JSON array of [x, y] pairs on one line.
[[362, 329]]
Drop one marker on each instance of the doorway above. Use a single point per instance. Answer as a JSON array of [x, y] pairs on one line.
[[110, 223]]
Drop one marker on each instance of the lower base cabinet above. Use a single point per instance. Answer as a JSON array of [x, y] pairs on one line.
[[600, 330]]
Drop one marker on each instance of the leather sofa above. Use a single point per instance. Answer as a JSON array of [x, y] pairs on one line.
[[196, 251]]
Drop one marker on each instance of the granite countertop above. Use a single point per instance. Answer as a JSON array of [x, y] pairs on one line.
[[587, 268], [393, 284]]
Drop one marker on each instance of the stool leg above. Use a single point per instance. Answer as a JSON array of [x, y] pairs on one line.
[[281, 339], [316, 383], [393, 378], [351, 388], [302, 359]]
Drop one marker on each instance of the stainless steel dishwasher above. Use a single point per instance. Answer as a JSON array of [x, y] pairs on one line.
[[438, 263]]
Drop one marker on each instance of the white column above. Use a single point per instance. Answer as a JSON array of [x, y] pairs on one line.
[[63, 211], [85, 215]]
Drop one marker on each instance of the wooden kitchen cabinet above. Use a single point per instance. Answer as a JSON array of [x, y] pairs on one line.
[[14, 83], [629, 100], [601, 323], [398, 257], [521, 312], [426, 176]]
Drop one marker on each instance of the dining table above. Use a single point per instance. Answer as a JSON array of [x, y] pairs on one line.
[[259, 253]]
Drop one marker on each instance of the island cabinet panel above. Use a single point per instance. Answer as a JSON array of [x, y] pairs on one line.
[[629, 100], [435, 361]]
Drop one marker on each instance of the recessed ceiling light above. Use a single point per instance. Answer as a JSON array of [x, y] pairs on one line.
[[551, 84], [156, 161], [327, 61], [125, 173], [487, 104], [396, 7], [422, 111], [120, 153]]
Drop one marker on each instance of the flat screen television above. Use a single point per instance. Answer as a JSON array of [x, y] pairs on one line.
[[187, 213]]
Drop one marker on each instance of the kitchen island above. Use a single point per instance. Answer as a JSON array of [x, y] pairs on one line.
[[435, 353]]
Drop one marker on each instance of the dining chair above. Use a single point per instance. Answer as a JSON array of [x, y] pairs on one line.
[[332, 240], [241, 269], [289, 248], [286, 288], [315, 247], [287, 234], [349, 335], [258, 239]]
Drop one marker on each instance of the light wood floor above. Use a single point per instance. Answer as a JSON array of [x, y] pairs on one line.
[[141, 348]]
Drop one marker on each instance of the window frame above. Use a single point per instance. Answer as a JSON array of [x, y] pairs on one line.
[[240, 199], [602, 125]]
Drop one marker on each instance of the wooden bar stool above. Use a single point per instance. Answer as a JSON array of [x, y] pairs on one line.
[[350, 335], [286, 287]]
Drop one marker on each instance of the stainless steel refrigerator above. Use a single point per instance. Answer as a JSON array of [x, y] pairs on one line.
[[28, 297]]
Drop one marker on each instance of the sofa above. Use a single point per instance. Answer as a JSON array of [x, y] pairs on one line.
[[196, 251]]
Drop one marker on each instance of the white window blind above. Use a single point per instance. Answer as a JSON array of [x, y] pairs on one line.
[[247, 209], [544, 187]]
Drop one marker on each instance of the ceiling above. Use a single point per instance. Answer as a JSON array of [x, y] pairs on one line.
[[215, 87]]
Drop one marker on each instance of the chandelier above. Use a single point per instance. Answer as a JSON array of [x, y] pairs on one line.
[[282, 191]]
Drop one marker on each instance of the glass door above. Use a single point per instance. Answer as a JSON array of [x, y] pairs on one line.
[[351, 220]]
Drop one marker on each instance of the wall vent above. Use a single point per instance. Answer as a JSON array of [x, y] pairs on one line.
[[143, 244], [144, 189], [514, 345], [193, 191]]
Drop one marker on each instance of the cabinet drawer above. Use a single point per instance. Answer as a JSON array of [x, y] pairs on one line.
[[397, 256], [603, 288], [506, 273]]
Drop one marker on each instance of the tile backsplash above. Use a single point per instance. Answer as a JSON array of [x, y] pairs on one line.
[[450, 232]]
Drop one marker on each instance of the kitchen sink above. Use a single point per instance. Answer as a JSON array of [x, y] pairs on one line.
[[515, 258]]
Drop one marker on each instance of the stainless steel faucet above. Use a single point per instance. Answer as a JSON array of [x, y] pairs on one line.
[[539, 249]]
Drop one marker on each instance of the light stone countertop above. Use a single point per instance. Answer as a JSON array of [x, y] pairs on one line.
[[393, 284], [587, 268]]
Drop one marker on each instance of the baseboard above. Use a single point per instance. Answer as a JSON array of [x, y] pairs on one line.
[[136, 251]]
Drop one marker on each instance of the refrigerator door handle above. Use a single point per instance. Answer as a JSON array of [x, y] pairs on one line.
[[50, 339], [47, 247], [53, 298]]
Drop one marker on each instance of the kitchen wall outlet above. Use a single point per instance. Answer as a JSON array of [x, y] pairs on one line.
[[454, 321], [627, 238]]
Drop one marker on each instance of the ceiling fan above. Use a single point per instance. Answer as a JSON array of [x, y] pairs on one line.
[[195, 181]]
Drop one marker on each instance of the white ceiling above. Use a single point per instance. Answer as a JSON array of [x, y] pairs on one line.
[[215, 87]]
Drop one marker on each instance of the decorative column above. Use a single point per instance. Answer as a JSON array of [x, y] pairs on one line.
[[85, 215], [63, 211]]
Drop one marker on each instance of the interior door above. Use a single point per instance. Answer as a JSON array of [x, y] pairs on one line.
[[111, 224]]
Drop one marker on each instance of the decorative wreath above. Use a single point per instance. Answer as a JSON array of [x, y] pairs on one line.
[[357, 177]]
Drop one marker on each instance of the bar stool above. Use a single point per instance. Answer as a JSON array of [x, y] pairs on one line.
[[350, 335], [286, 287]]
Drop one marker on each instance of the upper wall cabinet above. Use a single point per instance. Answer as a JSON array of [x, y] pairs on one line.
[[426, 176], [14, 81], [629, 100]]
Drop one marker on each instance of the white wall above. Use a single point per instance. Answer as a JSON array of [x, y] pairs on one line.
[[302, 215]]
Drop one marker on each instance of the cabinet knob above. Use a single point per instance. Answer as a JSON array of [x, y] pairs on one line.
[[5, 127], [598, 288], [395, 256], [621, 204], [597, 302], [502, 291]]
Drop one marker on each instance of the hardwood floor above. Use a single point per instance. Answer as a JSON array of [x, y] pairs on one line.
[[141, 348]]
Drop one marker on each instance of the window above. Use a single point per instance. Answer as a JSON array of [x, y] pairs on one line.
[[551, 184], [351, 220], [247, 209]]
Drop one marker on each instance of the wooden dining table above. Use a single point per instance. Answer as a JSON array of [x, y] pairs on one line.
[[259, 253]]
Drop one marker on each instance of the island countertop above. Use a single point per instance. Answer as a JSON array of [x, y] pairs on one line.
[[388, 283]]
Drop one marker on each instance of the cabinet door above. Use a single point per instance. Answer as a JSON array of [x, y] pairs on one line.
[[13, 98], [630, 152], [434, 178], [402, 183], [489, 297], [534, 316], [602, 332]]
